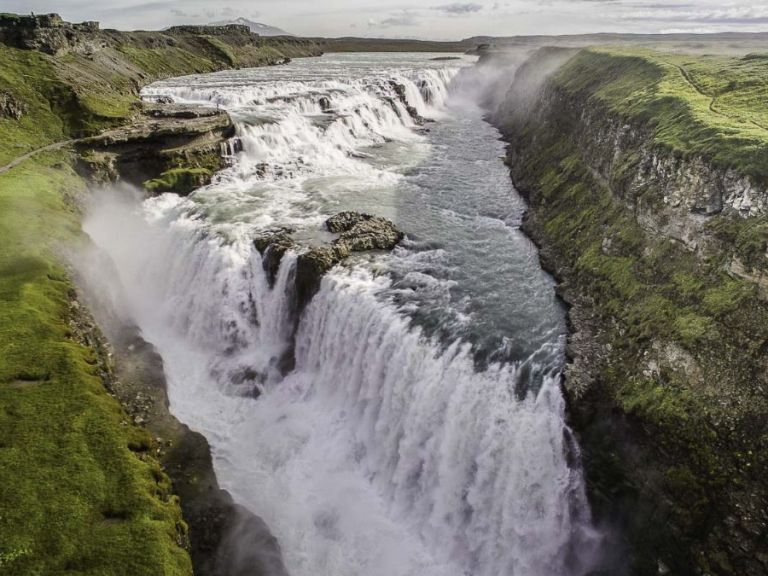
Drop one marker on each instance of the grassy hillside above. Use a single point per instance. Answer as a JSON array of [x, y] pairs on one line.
[[713, 106], [668, 388], [80, 492], [78, 489]]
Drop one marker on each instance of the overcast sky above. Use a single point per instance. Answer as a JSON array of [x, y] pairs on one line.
[[433, 19]]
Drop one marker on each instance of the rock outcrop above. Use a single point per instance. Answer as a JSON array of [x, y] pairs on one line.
[[11, 107], [400, 91], [356, 232], [49, 33], [166, 148]]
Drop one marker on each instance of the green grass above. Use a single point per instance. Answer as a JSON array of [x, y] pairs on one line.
[[75, 497], [80, 492], [29, 78], [708, 106], [681, 340], [179, 180]]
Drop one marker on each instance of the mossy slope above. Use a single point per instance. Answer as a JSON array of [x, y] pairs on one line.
[[80, 492]]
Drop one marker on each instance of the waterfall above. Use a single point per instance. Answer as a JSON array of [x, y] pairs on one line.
[[384, 451]]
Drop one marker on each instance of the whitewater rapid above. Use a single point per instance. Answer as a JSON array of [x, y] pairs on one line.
[[389, 449]]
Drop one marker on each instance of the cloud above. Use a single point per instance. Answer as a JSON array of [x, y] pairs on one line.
[[689, 13], [180, 13], [405, 18], [459, 8]]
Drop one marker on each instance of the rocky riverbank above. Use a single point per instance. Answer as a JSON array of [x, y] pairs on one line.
[[222, 537]]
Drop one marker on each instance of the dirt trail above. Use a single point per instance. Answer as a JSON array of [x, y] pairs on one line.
[[55, 146], [692, 84]]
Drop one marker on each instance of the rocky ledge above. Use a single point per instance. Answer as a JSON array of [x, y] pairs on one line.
[[354, 232], [166, 147]]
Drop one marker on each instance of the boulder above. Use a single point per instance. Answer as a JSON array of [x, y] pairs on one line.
[[361, 232], [325, 104], [272, 245], [357, 232]]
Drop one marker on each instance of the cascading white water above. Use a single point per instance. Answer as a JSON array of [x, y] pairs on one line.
[[385, 451]]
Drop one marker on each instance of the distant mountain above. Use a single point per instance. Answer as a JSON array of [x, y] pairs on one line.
[[257, 27]]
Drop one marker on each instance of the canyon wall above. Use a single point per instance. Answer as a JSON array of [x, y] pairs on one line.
[[650, 211]]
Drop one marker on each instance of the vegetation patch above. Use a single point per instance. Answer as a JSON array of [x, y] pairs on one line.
[[85, 496], [707, 106], [679, 340], [179, 180]]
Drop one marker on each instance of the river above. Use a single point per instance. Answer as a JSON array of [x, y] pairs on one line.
[[422, 430]]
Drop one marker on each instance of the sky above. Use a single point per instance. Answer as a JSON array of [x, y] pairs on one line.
[[427, 19]]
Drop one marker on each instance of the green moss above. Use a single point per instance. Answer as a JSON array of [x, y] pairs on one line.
[[705, 106], [166, 61], [179, 180], [679, 342], [30, 79], [650, 291], [223, 51], [80, 490], [748, 238], [84, 499]]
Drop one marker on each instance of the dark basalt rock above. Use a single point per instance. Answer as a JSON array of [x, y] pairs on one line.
[[357, 232], [400, 91], [273, 244], [360, 232]]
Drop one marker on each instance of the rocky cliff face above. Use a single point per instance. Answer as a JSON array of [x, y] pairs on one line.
[[165, 148], [667, 377], [50, 34], [671, 195]]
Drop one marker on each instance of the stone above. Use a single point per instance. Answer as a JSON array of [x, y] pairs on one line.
[[358, 232], [10, 107]]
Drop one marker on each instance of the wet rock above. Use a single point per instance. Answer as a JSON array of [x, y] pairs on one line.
[[272, 245], [412, 112], [310, 268], [360, 232], [357, 232], [325, 104]]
